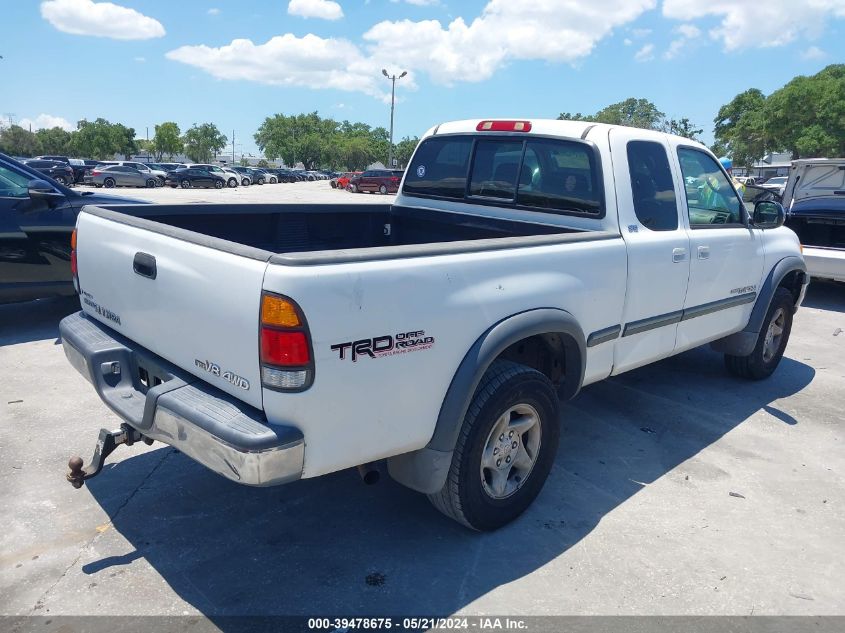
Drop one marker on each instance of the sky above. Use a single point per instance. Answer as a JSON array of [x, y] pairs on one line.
[[142, 62]]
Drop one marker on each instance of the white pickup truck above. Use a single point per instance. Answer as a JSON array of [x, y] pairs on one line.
[[520, 262]]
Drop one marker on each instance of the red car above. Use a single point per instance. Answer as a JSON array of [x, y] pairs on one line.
[[341, 182], [372, 180]]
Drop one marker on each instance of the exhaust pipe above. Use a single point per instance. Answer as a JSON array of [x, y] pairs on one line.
[[369, 473]]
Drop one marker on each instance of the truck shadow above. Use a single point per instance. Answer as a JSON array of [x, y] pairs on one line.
[[335, 546]]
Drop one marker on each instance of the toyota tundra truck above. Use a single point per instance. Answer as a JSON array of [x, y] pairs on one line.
[[435, 337]]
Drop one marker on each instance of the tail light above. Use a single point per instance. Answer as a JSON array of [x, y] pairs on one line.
[[74, 270], [94, 172], [287, 359]]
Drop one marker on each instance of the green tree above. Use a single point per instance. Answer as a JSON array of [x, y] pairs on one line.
[[102, 139], [740, 128], [683, 127], [263, 163], [167, 140], [632, 112], [203, 142], [54, 141], [17, 141], [404, 149], [244, 162]]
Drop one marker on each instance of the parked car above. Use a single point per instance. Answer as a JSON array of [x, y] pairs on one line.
[[376, 180], [269, 177], [109, 176], [470, 305], [165, 167], [231, 177], [37, 216], [188, 177], [141, 167], [814, 198], [777, 184], [247, 175], [59, 171], [342, 181]]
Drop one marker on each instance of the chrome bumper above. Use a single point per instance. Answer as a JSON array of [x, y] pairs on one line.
[[164, 403]]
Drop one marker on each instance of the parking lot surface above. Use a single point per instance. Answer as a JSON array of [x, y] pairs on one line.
[[317, 192], [676, 490]]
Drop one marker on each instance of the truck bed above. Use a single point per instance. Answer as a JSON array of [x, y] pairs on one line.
[[265, 230]]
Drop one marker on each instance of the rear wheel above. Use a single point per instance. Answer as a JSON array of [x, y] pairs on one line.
[[771, 342], [108, 183], [218, 184], [245, 182], [353, 188], [260, 181], [382, 190], [185, 184], [151, 182], [505, 450], [61, 180], [233, 182]]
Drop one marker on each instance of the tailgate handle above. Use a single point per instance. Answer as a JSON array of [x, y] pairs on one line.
[[145, 265]]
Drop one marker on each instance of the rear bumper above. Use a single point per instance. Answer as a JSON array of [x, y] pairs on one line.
[[167, 404], [825, 263]]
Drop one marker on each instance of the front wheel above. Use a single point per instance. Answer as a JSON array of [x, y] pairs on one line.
[[771, 342], [505, 449], [218, 184], [61, 180], [353, 188], [151, 183], [382, 190], [186, 184], [108, 183], [233, 182], [245, 182]]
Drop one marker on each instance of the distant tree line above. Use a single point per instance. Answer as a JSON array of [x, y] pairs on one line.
[[323, 142], [101, 140], [640, 113]]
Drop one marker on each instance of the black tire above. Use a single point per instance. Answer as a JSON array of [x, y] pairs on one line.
[[464, 497], [185, 184], [218, 184], [61, 180], [151, 183], [233, 182], [353, 188], [765, 358], [245, 182], [382, 190], [260, 181], [108, 183]]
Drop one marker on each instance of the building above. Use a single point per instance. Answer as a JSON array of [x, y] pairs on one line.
[[771, 165]]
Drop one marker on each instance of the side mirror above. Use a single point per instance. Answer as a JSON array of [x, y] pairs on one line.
[[42, 190], [768, 214]]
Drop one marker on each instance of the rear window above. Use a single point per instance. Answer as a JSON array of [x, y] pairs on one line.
[[549, 174]]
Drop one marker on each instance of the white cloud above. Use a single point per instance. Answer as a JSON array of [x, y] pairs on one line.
[[287, 60], [645, 54], [813, 53], [747, 24], [323, 9], [687, 33], [46, 121], [213, 11], [627, 41], [100, 19], [545, 31]]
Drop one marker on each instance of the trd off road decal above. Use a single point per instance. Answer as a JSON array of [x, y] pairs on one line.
[[387, 345]]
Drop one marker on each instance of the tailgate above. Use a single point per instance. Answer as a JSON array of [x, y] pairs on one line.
[[192, 304]]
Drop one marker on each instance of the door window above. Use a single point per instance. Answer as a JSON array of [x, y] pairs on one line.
[[651, 186], [13, 184], [711, 198]]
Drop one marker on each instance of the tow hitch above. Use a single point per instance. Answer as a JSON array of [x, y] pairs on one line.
[[106, 443]]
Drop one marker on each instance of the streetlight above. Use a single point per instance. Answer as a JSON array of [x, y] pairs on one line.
[[393, 79]]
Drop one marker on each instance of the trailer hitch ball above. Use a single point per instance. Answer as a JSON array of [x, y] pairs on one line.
[[76, 476]]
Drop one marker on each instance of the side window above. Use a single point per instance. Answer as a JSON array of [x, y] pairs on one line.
[[710, 196], [12, 183], [495, 169], [439, 167], [559, 175], [651, 186]]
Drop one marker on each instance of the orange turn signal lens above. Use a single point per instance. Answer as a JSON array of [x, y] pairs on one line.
[[279, 312], [73, 240]]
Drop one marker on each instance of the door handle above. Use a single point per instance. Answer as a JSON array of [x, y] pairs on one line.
[[679, 255], [703, 252], [144, 264]]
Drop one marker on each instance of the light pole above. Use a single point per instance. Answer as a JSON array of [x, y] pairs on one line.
[[393, 79]]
